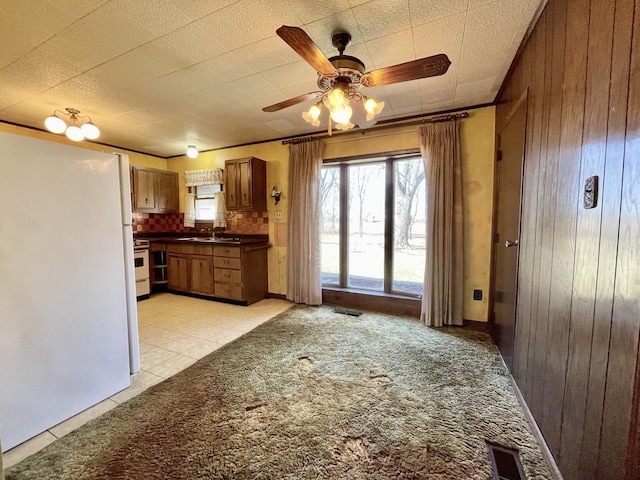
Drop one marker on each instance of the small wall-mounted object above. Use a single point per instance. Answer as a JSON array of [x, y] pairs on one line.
[[590, 199], [275, 193]]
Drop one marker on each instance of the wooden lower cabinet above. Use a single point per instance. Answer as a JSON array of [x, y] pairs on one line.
[[201, 275], [240, 273], [178, 272], [237, 273], [190, 268]]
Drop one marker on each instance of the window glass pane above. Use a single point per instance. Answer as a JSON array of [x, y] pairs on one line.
[[330, 225], [205, 209], [409, 226], [366, 226]]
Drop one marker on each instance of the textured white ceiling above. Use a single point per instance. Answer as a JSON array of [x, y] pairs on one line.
[[157, 75]]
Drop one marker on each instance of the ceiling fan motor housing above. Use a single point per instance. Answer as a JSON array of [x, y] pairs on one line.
[[350, 69]]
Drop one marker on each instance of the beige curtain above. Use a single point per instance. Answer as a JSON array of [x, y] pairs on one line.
[[190, 210], [303, 253], [443, 276]]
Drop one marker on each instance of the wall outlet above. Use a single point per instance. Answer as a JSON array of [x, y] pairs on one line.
[[278, 214], [477, 294]]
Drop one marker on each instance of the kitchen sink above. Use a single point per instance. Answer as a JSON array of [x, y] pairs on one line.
[[210, 239]]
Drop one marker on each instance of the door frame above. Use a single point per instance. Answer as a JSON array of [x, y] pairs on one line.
[[522, 100]]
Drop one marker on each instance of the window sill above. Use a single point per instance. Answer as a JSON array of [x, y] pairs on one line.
[[372, 301]]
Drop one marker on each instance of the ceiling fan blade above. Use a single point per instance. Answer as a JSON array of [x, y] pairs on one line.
[[422, 68], [292, 101], [297, 39]]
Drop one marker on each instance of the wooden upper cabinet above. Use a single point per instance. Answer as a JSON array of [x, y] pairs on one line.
[[144, 189], [168, 191], [245, 184], [153, 190]]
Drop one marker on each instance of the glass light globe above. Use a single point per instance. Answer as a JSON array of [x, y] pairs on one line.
[[313, 115], [74, 133], [55, 124], [373, 108], [336, 99], [342, 115], [344, 126], [192, 152], [90, 131]]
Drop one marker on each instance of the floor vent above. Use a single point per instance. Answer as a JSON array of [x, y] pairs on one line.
[[343, 311], [505, 463]]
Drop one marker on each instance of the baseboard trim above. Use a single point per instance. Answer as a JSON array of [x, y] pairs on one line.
[[477, 326], [279, 296], [546, 453]]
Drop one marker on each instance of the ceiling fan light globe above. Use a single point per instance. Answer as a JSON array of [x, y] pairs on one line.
[[314, 112], [373, 107], [344, 126], [342, 115], [74, 133], [55, 124], [90, 131], [336, 99]]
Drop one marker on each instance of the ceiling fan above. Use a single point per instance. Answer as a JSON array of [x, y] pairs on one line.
[[341, 77]]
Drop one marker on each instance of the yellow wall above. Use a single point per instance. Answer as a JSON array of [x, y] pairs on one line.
[[138, 159], [478, 151]]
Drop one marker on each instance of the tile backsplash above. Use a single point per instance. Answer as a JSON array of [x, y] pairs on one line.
[[237, 222]]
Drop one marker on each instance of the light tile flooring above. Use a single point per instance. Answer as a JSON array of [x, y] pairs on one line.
[[175, 331]]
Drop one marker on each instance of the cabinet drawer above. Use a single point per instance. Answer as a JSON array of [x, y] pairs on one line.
[[226, 262], [189, 249], [223, 251], [228, 291], [224, 275]]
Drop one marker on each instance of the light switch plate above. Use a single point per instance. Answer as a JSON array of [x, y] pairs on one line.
[[590, 199], [278, 214]]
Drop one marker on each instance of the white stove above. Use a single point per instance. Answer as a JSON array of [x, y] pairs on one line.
[[141, 267]]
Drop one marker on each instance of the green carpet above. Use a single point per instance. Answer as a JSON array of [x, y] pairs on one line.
[[311, 394]]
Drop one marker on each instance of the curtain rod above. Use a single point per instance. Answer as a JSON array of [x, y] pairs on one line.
[[438, 118]]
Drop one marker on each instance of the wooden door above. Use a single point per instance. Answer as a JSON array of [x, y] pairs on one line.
[[202, 274], [144, 188], [231, 184], [245, 187], [507, 230], [168, 191], [178, 272]]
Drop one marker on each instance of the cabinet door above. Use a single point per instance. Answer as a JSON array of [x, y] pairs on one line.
[[168, 191], [201, 275], [144, 188], [231, 184], [178, 272], [245, 189]]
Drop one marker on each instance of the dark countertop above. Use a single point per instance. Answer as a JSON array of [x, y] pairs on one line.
[[219, 239]]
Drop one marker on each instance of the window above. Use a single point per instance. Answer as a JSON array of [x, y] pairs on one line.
[[372, 225], [206, 203]]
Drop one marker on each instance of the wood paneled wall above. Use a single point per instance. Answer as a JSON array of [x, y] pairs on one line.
[[578, 307]]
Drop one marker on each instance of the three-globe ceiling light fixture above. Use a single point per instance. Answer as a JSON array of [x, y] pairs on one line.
[[192, 151], [338, 100], [56, 124]]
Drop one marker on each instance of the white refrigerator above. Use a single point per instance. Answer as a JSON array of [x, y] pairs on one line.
[[68, 317]]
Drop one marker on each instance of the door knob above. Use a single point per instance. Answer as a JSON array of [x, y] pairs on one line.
[[510, 243]]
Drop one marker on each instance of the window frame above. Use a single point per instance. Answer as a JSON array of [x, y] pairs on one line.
[[343, 163]]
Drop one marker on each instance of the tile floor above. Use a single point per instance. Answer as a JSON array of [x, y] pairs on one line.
[[175, 331]]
